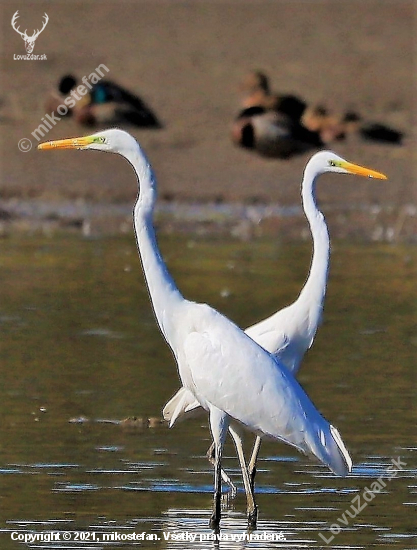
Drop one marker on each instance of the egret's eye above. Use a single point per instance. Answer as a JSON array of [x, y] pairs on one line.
[[332, 163], [100, 140]]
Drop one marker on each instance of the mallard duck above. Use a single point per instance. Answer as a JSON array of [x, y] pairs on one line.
[[272, 134]]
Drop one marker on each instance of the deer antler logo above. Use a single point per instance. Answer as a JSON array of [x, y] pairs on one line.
[[29, 40]]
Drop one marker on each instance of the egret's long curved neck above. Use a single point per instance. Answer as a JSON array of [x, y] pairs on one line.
[[162, 289], [315, 287]]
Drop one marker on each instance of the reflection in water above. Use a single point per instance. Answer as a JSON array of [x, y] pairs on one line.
[[80, 351], [188, 529]]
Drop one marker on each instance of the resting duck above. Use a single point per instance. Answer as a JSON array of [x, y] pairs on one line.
[[279, 125], [284, 125], [272, 134], [257, 93], [106, 103]]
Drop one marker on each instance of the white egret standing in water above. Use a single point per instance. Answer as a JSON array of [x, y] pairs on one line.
[[231, 376], [290, 332]]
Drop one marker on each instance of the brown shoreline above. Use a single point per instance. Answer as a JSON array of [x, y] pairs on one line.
[[365, 223], [186, 60]]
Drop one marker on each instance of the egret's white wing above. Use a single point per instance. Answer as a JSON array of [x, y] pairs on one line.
[[288, 346], [237, 376], [181, 403], [184, 403], [288, 333], [270, 338]]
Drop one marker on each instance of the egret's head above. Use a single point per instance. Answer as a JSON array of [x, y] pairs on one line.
[[327, 161], [112, 141]]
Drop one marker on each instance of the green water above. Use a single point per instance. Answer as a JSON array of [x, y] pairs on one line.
[[80, 351]]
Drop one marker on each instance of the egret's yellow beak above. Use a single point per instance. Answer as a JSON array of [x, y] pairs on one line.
[[71, 143], [362, 171]]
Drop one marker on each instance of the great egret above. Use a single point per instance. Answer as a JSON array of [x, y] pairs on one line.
[[290, 332], [231, 376]]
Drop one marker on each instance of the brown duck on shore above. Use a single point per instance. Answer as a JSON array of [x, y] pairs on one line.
[[257, 93], [281, 125], [272, 134], [106, 103]]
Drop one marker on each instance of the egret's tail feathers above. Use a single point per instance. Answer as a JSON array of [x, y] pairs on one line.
[[343, 451], [333, 452], [180, 405]]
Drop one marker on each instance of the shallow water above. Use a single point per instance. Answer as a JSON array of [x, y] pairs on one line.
[[80, 351]]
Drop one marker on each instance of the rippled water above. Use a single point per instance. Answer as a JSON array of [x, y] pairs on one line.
[[80, 352]]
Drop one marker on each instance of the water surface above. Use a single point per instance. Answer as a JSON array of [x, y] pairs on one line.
[[80, 352]]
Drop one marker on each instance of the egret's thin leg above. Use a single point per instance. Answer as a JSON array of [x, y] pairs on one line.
[[225, 477], [219, 424], [252, 509], [252, 462], [216, 515]]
